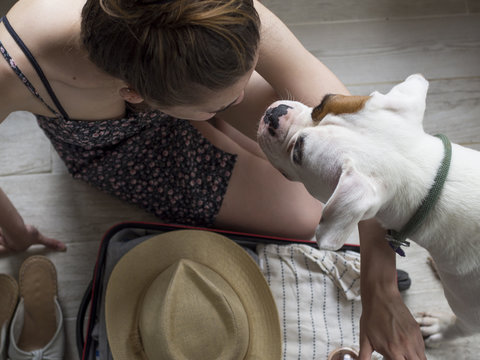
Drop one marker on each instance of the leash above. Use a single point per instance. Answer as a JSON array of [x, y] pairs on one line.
[[396, 239]]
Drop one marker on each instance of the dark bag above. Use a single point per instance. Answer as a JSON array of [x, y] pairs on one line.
[[90, 326], [117, 241]]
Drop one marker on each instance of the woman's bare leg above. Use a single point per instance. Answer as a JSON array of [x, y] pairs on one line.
[[258, 198]]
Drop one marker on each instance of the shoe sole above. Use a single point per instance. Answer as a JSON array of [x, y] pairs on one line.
[[8, 298], [38, 288]]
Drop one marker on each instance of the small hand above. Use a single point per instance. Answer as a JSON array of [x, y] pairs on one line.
[[388, 327], [31, 236]]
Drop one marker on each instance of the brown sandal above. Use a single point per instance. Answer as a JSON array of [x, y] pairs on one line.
[[37, 326], [38, 288], [8, 302]]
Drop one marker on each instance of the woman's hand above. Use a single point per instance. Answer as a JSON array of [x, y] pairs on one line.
[[15, 235], [386, 325], [22, 241]]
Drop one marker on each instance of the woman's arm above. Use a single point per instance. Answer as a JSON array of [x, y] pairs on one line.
[[285, 70], [15, 235], [289, 67], [386, 325]]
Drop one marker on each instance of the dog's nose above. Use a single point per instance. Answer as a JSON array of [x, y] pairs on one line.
[[272, 117]]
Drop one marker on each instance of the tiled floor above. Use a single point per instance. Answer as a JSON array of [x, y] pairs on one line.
[[370, 45]]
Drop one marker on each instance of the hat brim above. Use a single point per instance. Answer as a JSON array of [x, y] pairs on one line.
[[141, 265]]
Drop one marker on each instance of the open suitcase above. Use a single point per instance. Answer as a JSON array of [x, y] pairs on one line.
[[90, 332]]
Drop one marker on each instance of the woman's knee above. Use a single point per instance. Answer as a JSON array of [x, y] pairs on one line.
[[305, 215]]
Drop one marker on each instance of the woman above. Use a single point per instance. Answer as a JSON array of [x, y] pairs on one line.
[[138, 97]]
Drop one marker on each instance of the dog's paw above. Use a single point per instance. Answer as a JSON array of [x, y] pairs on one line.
[[436, 327]]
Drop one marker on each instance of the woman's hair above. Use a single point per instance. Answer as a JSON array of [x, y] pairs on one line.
[[170, 50]]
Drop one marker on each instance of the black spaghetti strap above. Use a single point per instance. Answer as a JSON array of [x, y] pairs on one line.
[[35, 65]]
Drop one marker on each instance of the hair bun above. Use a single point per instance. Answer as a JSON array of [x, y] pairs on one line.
[[156, 2], [131, 10]]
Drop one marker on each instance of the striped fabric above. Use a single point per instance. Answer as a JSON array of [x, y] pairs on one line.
[[318, 298]]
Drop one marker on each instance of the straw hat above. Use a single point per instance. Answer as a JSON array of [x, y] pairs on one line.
[[190, 294]]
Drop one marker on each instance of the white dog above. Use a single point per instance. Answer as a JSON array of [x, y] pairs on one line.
[[370, 157]]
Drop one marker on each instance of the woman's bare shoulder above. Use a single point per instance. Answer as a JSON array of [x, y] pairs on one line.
[[13, 96], [43, 25], [51, 31], [40, 25]]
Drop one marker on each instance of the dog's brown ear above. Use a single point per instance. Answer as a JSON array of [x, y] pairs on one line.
[[355, 198], [338, 104]]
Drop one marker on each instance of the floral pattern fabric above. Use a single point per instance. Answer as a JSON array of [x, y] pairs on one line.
[[157, 162]]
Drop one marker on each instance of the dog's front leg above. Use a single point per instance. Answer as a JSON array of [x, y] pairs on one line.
[[437, 327]]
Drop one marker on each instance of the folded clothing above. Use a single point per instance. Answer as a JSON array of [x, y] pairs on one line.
[[317, 293]]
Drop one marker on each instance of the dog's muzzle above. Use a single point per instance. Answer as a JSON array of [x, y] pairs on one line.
[[272, 116]]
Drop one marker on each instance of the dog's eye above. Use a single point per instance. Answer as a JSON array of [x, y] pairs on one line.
[[284, 174], [290, 146], [297, 155]]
